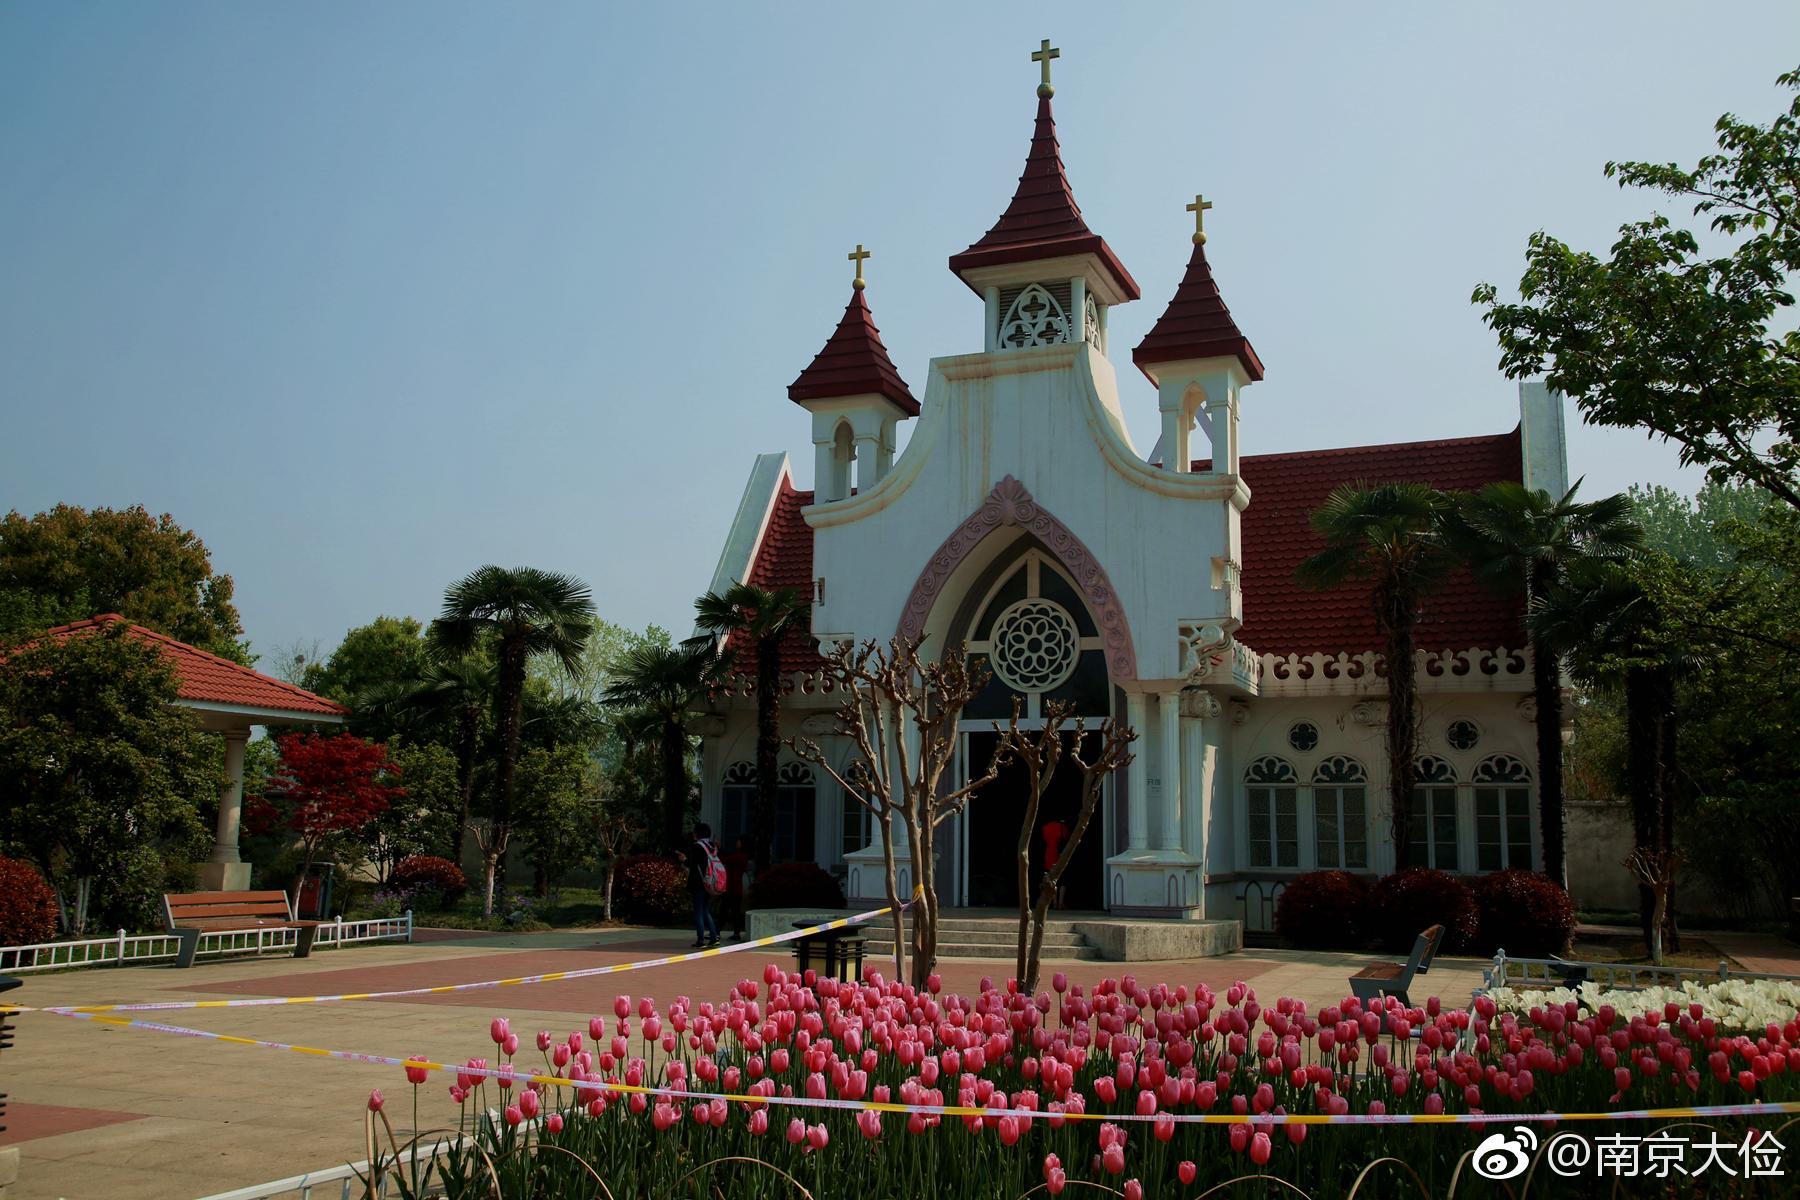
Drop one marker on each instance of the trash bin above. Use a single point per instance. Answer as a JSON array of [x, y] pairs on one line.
[[315, 892]]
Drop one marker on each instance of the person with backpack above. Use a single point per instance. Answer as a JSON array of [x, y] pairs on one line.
[[706, 879]]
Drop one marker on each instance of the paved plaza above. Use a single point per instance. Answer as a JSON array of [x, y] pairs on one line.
[[103, 1113]]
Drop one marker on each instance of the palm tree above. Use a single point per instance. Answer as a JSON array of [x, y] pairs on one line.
[[1619, 634], [764, 618], [520, 612], [1521, 541], [1393, 535], [456, 689], [665, 682]]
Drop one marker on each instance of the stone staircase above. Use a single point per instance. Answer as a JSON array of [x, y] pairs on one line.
[[988, 937]]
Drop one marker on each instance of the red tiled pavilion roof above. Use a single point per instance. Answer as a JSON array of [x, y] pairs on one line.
[[784, 558], [853, 363], [1281, 617], [1043, 220], [1196, 324], [208, 679]]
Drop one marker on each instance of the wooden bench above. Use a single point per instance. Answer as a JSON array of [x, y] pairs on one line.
[[1393, 979], [190, 914]]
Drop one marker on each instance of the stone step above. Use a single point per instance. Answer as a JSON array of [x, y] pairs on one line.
[[1010, 928], [873, 950], [1000, 937]]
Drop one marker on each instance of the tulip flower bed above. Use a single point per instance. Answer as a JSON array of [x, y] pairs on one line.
[[1091, 1085]]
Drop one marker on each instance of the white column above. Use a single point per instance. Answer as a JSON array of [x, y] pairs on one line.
[[1137, 807], [824, 468], [1168, 814], [868, 450], [1220, 411], [231, 799], [991, 298], [1193, 786], [1078, 312]]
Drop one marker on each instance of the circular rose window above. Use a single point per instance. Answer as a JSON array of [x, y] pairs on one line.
[[1035, 646]]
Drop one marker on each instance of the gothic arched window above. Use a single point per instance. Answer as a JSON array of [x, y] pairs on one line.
[[1502, 814], [795, 800], [1432, 826], [1340, 813], [1272, 804], [1035, 635]]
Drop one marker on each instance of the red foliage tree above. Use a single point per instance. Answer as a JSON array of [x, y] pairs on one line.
[[330, 786]]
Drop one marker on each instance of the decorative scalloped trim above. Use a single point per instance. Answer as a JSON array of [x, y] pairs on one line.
[[1009, 504]]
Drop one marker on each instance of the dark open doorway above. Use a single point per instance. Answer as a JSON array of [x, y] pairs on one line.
[[995, 816]]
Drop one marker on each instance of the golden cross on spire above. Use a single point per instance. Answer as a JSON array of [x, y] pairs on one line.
[[1042, 56], [1198, 208], [856, 256]]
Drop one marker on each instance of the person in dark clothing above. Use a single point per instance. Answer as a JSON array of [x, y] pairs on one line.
[[706, 929], [736, 863]]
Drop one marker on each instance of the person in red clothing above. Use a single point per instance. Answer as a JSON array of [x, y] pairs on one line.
[[1055, 833], [736, 864]]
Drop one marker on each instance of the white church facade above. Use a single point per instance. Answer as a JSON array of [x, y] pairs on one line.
[[1155, 587]]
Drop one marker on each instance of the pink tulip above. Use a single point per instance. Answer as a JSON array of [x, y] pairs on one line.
[[498, 1028], [869, 1121], [1057, 1181], [528, 1103], [513, 1115], [759, 1122], [1134, 1190], [621, 1007], [796, 1131], [1260, 1148], [375, 1100], [543, 1039], [417, 1075], [554, 1123], [1185, 1171], [510, 1045], [818, 1137]]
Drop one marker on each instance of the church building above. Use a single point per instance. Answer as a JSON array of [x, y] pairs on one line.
[[1154, 586]]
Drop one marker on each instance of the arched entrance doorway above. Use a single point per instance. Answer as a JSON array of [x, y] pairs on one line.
[[1027, 623]]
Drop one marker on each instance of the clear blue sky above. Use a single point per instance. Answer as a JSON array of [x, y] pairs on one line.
[[371, 294]]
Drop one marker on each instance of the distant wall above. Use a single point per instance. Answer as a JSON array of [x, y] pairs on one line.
[[1599, 838]]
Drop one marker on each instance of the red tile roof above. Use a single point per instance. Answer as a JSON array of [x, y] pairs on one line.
[[784, 558], [853, 363], [1043, 220], [1196, 324], [209, 679], [1280, 616]]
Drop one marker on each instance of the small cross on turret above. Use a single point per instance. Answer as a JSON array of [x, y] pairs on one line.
[[856, 256], [1042, 56], [1198, 208]]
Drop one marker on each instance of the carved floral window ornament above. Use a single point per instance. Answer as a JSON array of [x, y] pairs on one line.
[[1035, 318], [1091, 323]]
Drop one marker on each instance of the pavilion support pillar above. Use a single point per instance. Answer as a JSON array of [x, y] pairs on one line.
[[226, 870]]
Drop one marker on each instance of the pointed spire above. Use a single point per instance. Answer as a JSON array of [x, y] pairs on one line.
[[1196, 324], [854, 362], [1043, 221]]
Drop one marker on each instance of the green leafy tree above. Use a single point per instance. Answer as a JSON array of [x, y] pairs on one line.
[[455, 693], [1618, 633], [419, 820], [1522, 542], [663, 684], [71, 563], [371, 668], [765, 618], [521, 612], [104, 777], [1394, 537], [560, 813], [1659, 336]]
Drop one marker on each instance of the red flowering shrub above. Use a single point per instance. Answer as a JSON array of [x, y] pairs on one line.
[[1523, 913], [653, 890], [27, 905], [795, 885], [1405, 903], [422, 872], [1324, 910]]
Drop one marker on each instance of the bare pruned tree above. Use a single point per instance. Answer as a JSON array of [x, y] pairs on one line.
[[900, 712], [1040, 752]]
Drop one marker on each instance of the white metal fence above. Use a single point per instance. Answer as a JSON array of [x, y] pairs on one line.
[[337, 1183], [124, 949]]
